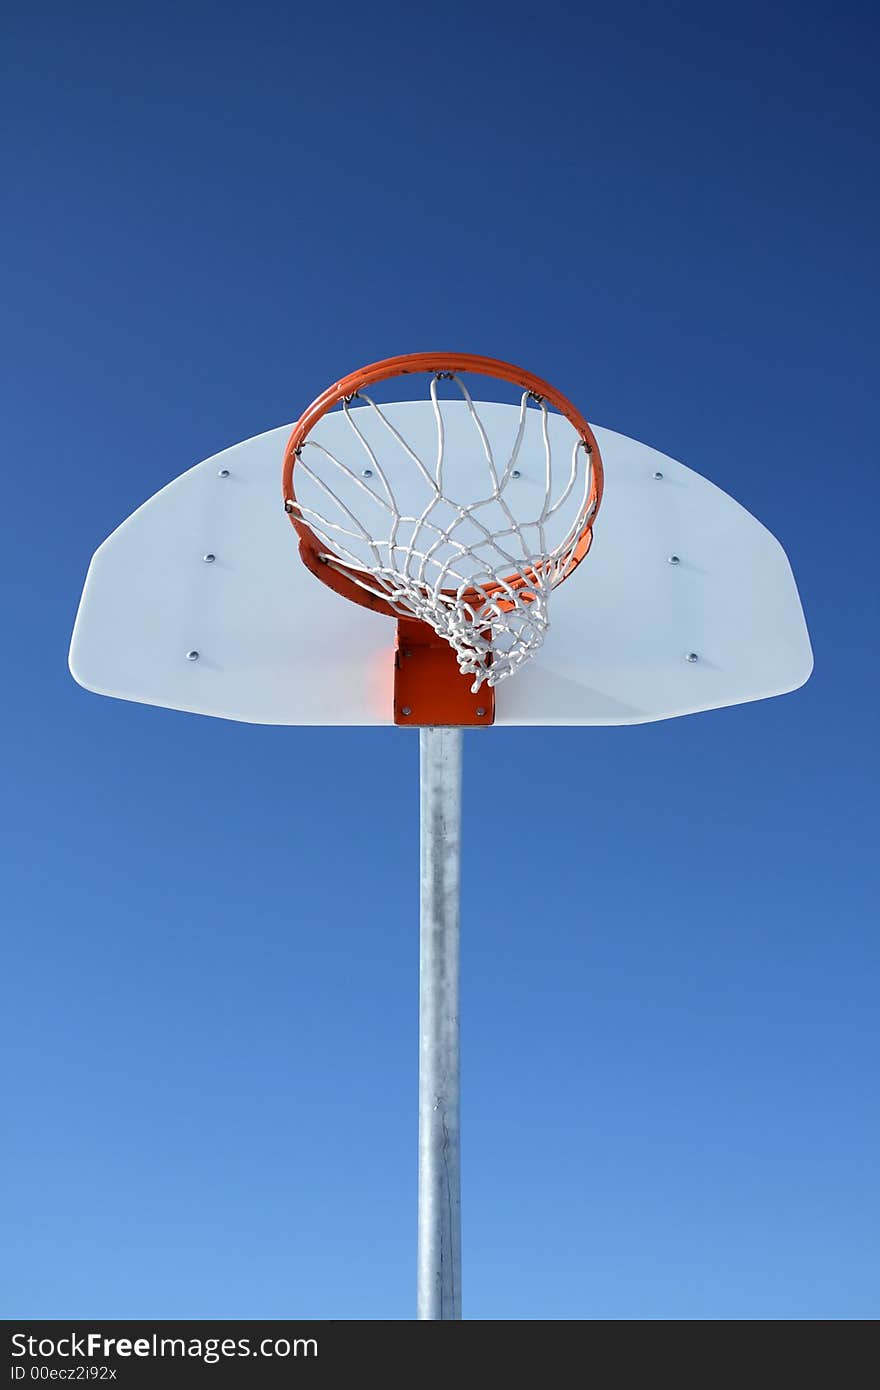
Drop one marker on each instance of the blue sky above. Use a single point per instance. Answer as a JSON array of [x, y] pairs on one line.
[[669, 1021]]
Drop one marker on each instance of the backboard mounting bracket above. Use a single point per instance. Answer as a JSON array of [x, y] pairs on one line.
[[429, 688]]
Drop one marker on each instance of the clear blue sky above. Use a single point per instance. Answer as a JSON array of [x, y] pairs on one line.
[[211, 930]]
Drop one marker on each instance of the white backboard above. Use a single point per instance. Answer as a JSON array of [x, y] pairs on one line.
[[635, 635]]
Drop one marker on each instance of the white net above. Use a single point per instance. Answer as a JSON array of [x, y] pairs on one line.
[[474, 557]]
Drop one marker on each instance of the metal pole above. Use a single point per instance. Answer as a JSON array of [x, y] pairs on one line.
[[439, 1269]]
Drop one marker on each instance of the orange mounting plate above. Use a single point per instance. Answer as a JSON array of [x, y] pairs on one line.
[[428, 686]]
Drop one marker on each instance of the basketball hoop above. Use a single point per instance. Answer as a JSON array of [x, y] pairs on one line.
[[458, 519], [467, 574]]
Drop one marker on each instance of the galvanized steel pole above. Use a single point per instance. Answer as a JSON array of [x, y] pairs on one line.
[[439, 1267]]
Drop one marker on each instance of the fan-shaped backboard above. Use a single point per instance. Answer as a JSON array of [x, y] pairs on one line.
[[684, 603]]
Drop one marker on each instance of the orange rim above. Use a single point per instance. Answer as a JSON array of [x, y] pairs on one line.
[[311, 548]]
